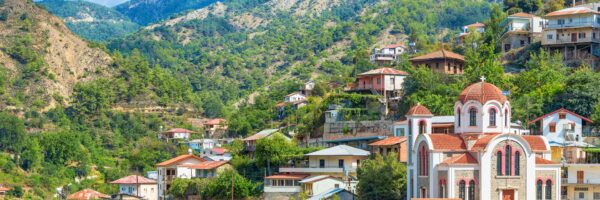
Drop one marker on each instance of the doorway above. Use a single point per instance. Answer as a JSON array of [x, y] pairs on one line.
[[508, 195], [573, 37]]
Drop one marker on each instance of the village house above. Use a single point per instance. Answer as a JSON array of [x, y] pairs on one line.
[[216, 154], [249, 142], [520, 30], [307, 88], [138, 186], [466, 30], [574, 32], [580, 180], [296, 99], [214, 127], [333, 194], [173, 168], [88, 194], [199, 145], [388, 55], [177, 134], [290, 185], [389, 145], [482, 159], [442, 61], [4, 190], [383, 81]]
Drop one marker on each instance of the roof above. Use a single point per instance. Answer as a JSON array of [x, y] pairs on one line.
[[571, 11], [389, 141], [134, 179], [522, 14], [482, 92], [536, 142], [442, 119], [461, 159], [5, 188], [558, 111], [178, 130], [216, 121], [216, 158], [340, 150], [329, 193], [447, 142], [384, 71], [219, 150], [179, 159], [419, 110], [261, 134], [294, 93], [288, 176], [316, 178], [482, 142], [441, 54], [542, 161], [476, 25], [87, 194], [207, 165], [401, 122], [393, 46]]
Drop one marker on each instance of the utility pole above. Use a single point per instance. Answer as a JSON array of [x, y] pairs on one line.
[[232, 184]]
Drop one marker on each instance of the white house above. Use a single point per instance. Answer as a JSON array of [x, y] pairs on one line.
[[520, 30], [138, 186], [285, 185], [173, 168], [177, 133], [202, 144], [294, 97], [388, 54], [561, 126]]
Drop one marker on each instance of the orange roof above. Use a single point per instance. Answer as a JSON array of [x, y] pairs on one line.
[[571, 11], [393, 46], [419, 110], [5, 188], [179, 159], [441, 54], [461, 159], [219, 150], [482, 92], [288, 176], [482, 142], [87, 194], [476, 25], [447, 142], [542, 161], [385, 71], [207, 165], [522, 14], [564, 111], [536, 142], [134, 179], [216, 121], [389, 141], [178, 130]]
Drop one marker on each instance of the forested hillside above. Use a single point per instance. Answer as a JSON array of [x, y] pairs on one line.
[[145, 12], [91, 21]]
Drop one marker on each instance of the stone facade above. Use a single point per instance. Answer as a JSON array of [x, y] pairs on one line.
[[516, 183]]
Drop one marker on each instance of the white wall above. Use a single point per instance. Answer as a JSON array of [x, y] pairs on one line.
[[332, 161], [558, 135], [398, 81], [483, 116], [591, 173], [181, 135], [326, 184]]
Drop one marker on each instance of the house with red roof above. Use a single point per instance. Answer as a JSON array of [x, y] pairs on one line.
[[521, 30], [389, 145], [466, 30], [213, 127], [442, 61], [384, 81], [388, 55], [88, 194], [177, 134], [137, 186], [174, 168], [482, 158]]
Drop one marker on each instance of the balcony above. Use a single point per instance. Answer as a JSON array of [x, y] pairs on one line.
[[574, 24], [316, 169], [589, 181], [283, 189]]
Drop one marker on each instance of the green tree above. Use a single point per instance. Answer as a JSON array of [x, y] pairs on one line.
[[32, 157], [381, 178], [12, 132], [220, 187], [17, 192]]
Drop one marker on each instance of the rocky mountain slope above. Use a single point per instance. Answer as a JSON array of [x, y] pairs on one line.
[[89, 20], [41, 59], [150, 11]]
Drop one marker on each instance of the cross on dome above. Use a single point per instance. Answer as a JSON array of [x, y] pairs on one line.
[[482, 78]]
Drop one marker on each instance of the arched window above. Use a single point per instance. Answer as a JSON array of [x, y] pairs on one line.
[[422, 127], [492, 117], [423, 161], [472, 189], [442, 188], [506, 118], [499, 163], [539, 190], [517, 163], [461, 190], [548, 189], [473, 117], [458, 116], [420, 161], [508, 161]]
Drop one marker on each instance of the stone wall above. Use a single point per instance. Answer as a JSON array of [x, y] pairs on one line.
[[466, 175], [516, 183], [545, 174]]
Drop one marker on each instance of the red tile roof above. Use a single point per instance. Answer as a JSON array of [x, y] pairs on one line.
[[541, 161], [522, 14], [536, 142], [393, 46], [482, 142], [87, 194], [558, 111], [219, 150], [571, 11], [179, 159], [419, 110], [178, 130], [447, 142], [441, 54], [134, 179], [288, 176], [389, 141], [207, 165], [476, 25], [461, 159], [5, 188], [384, 71], [216, 121], [482, 92]]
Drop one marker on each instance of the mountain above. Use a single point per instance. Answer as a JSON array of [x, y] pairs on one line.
[[41, 59], [108, 3], [89, 20], [145, 12]]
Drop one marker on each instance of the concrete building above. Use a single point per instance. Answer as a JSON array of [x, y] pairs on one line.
[[388, 55], [520, 30], [177, 134], [383, 81], [389, 145], [138, 186], [442, 61]]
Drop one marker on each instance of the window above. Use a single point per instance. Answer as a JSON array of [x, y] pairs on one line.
[[442, 188], [549, 36], [499, 163], [548, 189], [562, 116], [422, 127], [507, 163], [581, 35], [517, 163], [337, 186], [473, 117], [378, 81], [552, 128], [597, 194], [472, 189], [539, 190], [437, 65], [492, 117], [423, 161], [581, 195], [358, 163], [341, 163], [423, 192], [321, 163], [458, 112], [505, 117], [461, 190]]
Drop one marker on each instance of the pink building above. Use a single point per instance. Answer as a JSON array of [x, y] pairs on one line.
[[381, 80]]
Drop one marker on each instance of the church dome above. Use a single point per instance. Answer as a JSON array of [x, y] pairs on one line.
[[419, 110], [482, 92]]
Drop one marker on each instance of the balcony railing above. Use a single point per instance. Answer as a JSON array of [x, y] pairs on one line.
[[316, 169], [575, 24]]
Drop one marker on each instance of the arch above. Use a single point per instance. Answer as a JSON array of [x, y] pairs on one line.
[[458, 116], [461, 189], [506, 117], [548, 189], [472, 189], [500, 138], [423, 160], [538, 189], [473, 116], [499, 160], [422, 126], [492, 116], [517, 163], [508, 160]]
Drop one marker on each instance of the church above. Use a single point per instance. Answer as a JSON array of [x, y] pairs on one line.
[[482, 159]]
